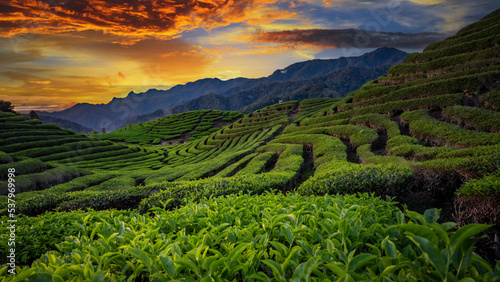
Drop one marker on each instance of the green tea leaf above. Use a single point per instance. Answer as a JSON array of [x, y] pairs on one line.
[[277, 219], [432, 215], [276, 268], [465, 233], [433, 253], [142, 256], [188, 264], [360, 261], [288, 234], [24, 275], [232, 257], [389, 248], [168, 266]]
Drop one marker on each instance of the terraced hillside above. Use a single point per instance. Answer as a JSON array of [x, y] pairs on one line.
[[211, 208], [47, 158], [174, 128]]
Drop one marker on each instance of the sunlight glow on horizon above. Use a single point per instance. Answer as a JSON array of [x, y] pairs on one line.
[[55, 56]]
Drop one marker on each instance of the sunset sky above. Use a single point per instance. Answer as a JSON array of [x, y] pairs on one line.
[[56, 53]]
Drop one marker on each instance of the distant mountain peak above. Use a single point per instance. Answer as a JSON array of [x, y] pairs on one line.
[[319, 67], [119, 111]]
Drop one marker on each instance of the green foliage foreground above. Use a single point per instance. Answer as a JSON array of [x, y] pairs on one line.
[[267, 237]]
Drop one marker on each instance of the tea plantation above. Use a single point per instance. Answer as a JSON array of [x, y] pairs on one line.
[[398, 181], [174, 128]]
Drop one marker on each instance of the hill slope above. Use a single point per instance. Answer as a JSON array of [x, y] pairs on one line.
[[181, 127], [66, 124]]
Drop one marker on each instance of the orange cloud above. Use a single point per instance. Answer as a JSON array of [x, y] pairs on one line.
[[266, 51], [271, 17], [130, 18], [52, 71], [220, 50]]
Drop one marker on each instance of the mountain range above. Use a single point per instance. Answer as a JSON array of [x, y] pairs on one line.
[[309, 79], [63, 123]]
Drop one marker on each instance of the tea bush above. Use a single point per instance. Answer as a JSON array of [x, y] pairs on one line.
[[267, 237]]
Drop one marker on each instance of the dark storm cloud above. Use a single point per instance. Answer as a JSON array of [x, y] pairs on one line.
[[349, 38]]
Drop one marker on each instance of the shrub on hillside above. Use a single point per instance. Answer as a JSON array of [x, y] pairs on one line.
[[5, 158], [26, 166], [348, 178], [478, 118], [478, 201], [491, 100]]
